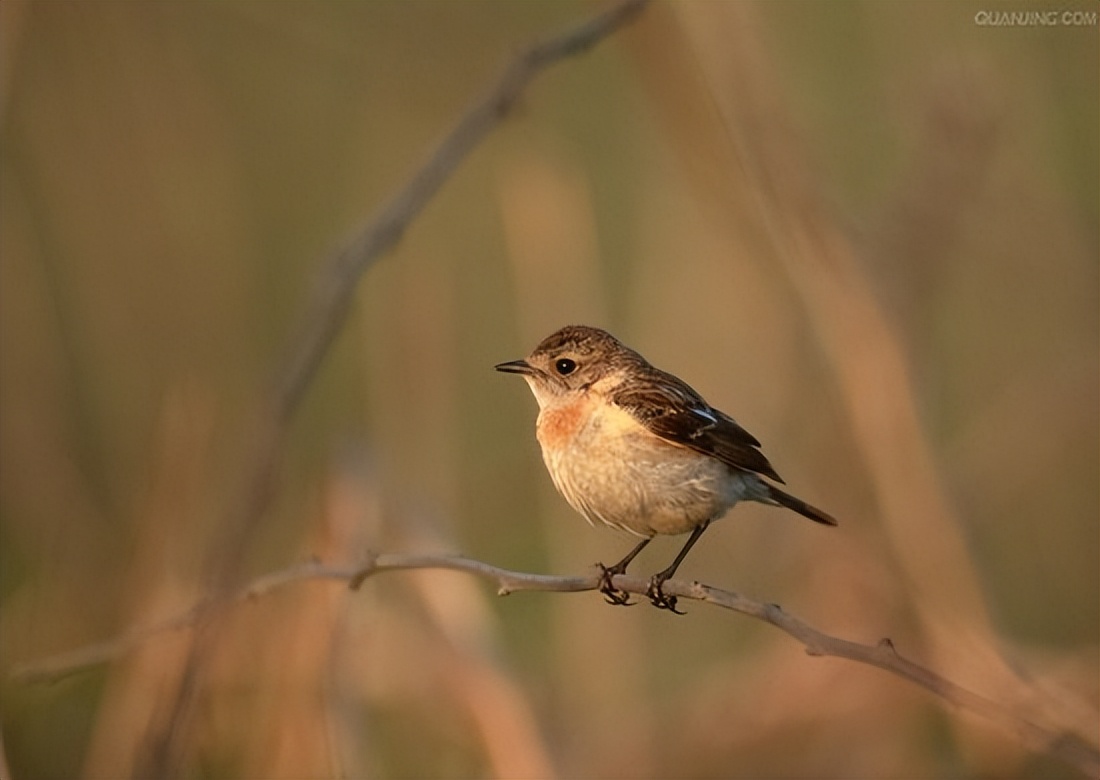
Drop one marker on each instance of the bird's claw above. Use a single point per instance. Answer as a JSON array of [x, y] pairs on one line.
[[659, 598], [611, 594]]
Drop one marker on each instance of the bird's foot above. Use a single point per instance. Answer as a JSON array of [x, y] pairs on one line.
[[611, 594], [658, 597]]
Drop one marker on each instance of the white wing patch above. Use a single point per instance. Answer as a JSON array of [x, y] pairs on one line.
[[706, 414]]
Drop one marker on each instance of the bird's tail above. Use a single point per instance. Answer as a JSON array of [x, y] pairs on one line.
[[800, 506]]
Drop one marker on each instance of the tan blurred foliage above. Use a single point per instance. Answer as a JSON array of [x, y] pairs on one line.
[[869, 231]]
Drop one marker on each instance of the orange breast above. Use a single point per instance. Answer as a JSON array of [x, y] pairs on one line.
[[558, 425]]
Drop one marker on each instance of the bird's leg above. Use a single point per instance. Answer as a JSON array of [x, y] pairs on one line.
[[610, 592], [656, 595]]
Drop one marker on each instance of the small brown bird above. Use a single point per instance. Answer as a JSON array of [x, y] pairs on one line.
[[638, 449]]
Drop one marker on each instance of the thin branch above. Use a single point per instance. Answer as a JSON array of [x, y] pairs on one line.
[[884, 655]]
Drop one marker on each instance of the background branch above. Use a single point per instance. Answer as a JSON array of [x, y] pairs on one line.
[[883, 655], [326, 315], [327, 311]]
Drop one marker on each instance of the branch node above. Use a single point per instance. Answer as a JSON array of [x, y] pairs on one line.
[[370, 566]]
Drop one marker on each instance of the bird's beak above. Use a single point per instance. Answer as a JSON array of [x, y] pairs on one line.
[[517, 367]]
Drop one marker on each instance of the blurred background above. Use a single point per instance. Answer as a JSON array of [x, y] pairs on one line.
[[869, 231]]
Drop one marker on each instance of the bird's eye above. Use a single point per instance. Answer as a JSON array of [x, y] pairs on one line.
[[565, 366]]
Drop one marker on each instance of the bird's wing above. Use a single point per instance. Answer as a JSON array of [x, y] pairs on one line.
[[670, 408]]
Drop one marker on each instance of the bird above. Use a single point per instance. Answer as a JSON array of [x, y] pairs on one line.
[[638, 449]]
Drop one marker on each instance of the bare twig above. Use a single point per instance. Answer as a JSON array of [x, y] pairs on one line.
[[883, 655], [323, 319]]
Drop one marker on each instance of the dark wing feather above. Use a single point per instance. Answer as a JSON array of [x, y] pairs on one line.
[[675, 412]]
